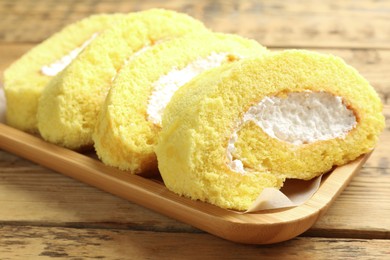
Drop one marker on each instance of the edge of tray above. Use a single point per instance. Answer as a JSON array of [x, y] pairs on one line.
[[264, 227]]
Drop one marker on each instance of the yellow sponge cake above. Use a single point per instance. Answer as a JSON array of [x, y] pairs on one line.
[[290, 114], [26, 78], [130, 119], [70, 103]]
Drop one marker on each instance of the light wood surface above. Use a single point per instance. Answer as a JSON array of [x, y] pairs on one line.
[[45, 214]]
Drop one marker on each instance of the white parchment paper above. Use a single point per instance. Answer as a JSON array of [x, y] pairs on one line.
[[293, 193]]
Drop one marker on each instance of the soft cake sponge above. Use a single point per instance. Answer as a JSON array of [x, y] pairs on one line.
[[70, 103], [127, 127], [24, 80], [207, 134]]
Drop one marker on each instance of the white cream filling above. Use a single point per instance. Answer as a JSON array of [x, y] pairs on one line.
[[59, 65], [300, 118], [167, 85]]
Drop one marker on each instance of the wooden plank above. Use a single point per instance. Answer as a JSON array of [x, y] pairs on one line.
[[31, 194], [357, 24], [368, 192], [381, 156], [24, 242]]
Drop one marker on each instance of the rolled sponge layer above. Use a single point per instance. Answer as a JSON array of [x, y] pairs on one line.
[[124, 137], [24, 81], [198, 125], [70, 103]]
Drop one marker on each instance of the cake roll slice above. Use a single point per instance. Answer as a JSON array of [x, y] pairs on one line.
[[290, 114], [26, 78], [70, 103], [130, 119]]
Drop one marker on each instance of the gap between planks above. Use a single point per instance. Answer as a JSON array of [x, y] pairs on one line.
[[118, 244]]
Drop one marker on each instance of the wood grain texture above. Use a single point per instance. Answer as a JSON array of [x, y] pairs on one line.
[[68, 243], [322, 24]]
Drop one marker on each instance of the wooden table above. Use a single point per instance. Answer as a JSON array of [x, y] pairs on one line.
[[44, 214]]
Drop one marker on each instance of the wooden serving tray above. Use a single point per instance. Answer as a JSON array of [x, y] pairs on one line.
[[263, 227]]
